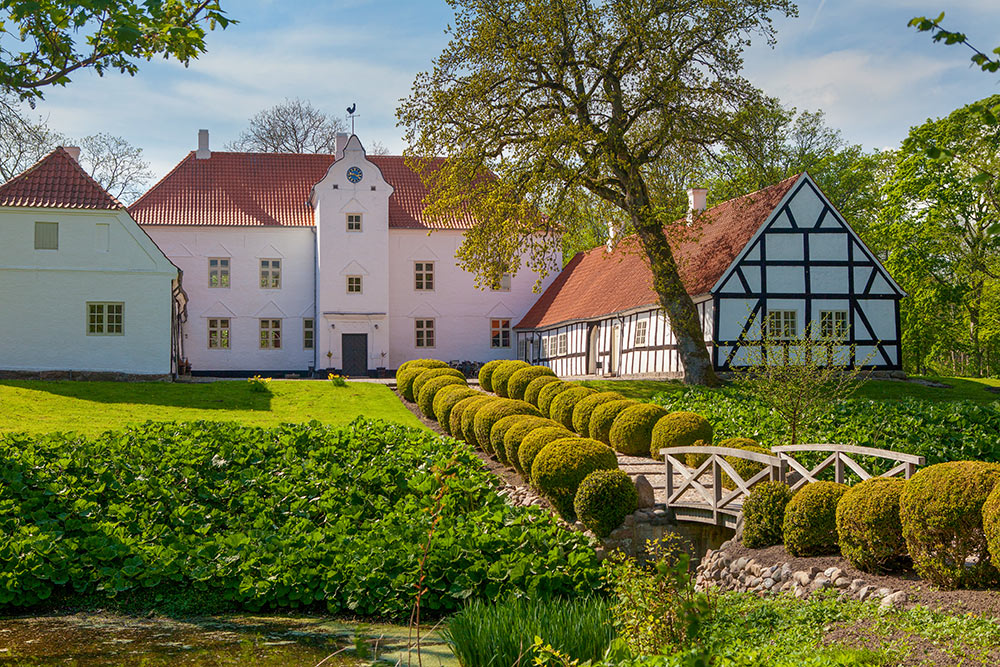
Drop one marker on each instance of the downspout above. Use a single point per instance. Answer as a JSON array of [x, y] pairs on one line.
[[316, 323]]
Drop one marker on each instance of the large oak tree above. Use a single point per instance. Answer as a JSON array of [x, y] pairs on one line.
[[566, 101]]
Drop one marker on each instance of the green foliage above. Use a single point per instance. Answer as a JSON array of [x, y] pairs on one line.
[[562, 465], [941, 509], [515, 435], [535, 387], [500, 634], [494, 412], [984, 61], [469, 419], [603, 418], [764, 514], [260, 385], [585, 408], [562, 405], [405, 378], [425, 363], [302, 516], [429, 391], [868, 527], [486, 374], [632, 431], [522, 377], [681, 429], [991, 524], [743, 467], [603, 500], [447, 398], [549, 392], [427, 375], [455, 417], [534, 442], [810, 526], [502, 374]]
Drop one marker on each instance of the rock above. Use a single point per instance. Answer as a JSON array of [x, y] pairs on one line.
[[802, 578], [645, 490], [882, 592], [813, 571], [739, 564], [768, 583], [841, 582], [893, 600], [834, 573], [801, 592], [864, 593], [821, 582], [857, 585]]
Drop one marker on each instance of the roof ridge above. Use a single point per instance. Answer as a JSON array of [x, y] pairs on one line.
[[162, 180], [60, 153]]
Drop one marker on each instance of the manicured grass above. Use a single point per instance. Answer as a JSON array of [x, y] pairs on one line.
[[94, 407]]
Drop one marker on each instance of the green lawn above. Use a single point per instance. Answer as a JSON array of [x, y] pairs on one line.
[[94, 407], [960, 389]]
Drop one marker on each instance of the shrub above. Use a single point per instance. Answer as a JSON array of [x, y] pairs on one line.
[[404, 380], [743, 467], [427, 375], [604, 499], [494, 412], [868, 527], [632, 430], [585, 408], [515, 435], [603, 418], [764, 514], [455, 417], [991, 524], [522, 377], [941, 509], [810, 526], [426, 363], [469, 419], [425, 397], [562, 464], [536, 385], [682, 429], [486, 374], [534, 442], [502, 374], [563, 403], [549, 392], [446, 399]]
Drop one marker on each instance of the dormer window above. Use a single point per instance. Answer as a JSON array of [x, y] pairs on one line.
[[354, 222]]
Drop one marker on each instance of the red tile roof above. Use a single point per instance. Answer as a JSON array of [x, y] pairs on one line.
[[56, 181], [269, 189], [597, 283]]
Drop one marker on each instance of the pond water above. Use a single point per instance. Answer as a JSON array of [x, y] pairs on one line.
[[87, 639]]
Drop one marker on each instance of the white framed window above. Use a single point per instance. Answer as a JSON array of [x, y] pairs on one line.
[[503, 285], [270, 274], [218, 272], [270, 334], [354, 222], [218, 333], [544, 348], [640, 332], [46, 236], [782, 324], [105, 319], [423, 276], [354, 284], [424, 330], [563, 347], [308, 333], [833, 324], [499, 333]]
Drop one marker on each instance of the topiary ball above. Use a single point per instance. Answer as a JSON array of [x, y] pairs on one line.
[[536, 385], [534, 442], [869, 531], [563, 464], [585, 408], [405, 378], [745, 468], [428, 374], [522, 377], [494, 412], [991, 524], [486, 374], [499, 432], [427, 393], [941, 509], [549, 392], [446, 399], [425, 363], [515, 435], [502, 374], [562, 405], [455, 418], [810, 525], [632, 430], [603, 418], [469, 420], [682, 429], [764, 514], [604, 499]]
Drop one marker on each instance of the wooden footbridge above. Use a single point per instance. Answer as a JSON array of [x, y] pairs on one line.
[[702, 496]]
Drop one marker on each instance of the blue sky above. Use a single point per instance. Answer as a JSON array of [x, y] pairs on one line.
[[855, 59]]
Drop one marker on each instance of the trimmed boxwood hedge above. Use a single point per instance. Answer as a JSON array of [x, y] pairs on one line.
[[486, 374], [515, 435], [446, 399], [810, 526], [562, 464], [536, 386], [743, 467], [499, 432], [469, 420], [604, 499], [430, 373], [534, 442], [455, 418], [404, 381], [522, 377], [869, 531], [494, 412], [563, 403], [632, 430], [682, 429], [549, 392], [585, 407], [764, 514], [502, 374], [603, 418], [941, 509], [425, 397], [991, 524], [426, 363]]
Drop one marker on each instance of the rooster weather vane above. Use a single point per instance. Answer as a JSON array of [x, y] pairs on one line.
[[350, 114]]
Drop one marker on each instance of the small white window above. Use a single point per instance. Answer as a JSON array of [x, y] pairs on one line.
[[105, 319], [423, 273], [499, 333], [424, 333], [270, 334], [503, 285], [102, 240], [563, 339], [308, 333], [544, 348], [783, 324], [218, 272], [46, 236], [354, 284], [218, 333], [833, 324], [270, 274], [354, 222], [640, 332]]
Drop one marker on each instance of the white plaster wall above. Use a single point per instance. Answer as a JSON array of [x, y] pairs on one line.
[[45, 293]]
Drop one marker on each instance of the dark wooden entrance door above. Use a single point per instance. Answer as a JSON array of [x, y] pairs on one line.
[[355, 354]]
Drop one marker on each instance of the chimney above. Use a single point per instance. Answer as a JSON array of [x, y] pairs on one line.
[[74, 152], [697, 203], [203, 152], [342, 139]]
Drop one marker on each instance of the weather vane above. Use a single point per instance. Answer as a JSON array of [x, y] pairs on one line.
[[350, 114]]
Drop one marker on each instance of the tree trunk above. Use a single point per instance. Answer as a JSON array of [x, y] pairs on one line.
[[977, 349]]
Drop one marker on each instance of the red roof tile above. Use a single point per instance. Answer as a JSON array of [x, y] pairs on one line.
[[56, 181], [269, 189], [597, 283]]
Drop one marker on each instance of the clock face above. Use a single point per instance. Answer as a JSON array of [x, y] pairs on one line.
[[354, 174]]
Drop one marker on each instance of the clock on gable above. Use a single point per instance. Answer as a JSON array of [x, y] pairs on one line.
[[354, 174]]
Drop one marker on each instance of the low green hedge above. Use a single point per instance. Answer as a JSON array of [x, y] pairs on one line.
[[743, 467], [810, 526], [428, 374], [522, 377], [869, 531], [562, 405], [549, 392], [682, 429], [604, 499], [446, 399], [469, 419], [486, 374], [603, 418], [535, 387], [534, 442], [562, 465], [494, 412], [425, 363], [430, 389], [515, 435], [991, 524], [585, 408], [764, 514], [405, 378], [632, 431], [502, 374], [455, 417]]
